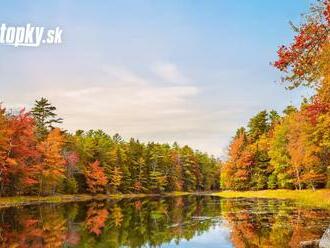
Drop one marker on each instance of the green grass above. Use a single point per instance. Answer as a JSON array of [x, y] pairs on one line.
[[318, 198]]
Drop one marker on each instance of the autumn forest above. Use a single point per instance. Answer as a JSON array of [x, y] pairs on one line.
[[38, 159], [291, 150], [288, 150]]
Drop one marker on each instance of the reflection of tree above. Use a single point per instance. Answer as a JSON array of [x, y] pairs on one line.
[[269, 224], [44, 226], [152, 222], [117, 216], [96, 218], [301, 223], [157, 221]]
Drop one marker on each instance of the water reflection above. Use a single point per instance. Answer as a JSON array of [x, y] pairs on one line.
[[193, 221]]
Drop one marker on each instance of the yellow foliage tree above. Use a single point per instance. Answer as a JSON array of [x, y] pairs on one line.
[[52, 162]]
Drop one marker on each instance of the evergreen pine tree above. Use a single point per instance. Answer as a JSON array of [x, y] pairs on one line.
[[45, 117]]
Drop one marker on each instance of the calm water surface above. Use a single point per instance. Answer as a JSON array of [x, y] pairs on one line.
[[190, 221]]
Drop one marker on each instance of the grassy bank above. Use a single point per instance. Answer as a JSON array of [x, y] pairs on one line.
[[29, 200], [319, 198]]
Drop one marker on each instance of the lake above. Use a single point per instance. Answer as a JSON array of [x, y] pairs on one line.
[[185, 221]]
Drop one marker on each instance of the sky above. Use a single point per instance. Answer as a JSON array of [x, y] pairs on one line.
[[217, 236], [189, 71]]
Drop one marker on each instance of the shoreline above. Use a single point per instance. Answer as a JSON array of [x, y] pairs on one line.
[[319, 198], [15, 201]]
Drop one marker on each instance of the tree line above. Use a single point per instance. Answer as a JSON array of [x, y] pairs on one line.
[[37, 158], [292, 150]]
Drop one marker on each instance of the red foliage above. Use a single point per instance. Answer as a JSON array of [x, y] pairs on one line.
[[326, 11], [314, 110], [72, 158], [299, 59], [21, 156], [309, 40]]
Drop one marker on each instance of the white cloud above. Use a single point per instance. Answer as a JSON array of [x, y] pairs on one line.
[[122, 76], [124, 102], [169, 73], [82, 92], [130, 110]]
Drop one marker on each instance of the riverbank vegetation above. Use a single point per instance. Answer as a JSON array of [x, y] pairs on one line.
[[318, 198], [291, 150]]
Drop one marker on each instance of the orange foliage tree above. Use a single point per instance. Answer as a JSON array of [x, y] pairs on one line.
[[51, 168], [96, 178], [18, 152], [236, 172]]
